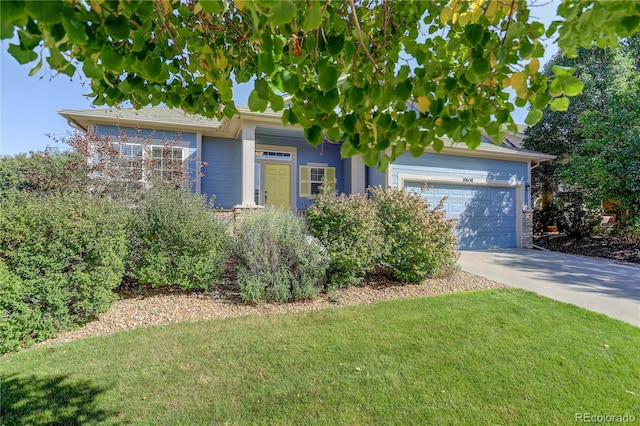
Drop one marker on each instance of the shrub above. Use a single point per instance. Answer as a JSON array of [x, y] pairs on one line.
[[420, 239], [64, 254], [350, 230], [577, 216], [177, 240], [277, 259]]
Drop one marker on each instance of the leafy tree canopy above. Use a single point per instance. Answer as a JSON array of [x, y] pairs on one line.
[[597, 138], [455, 59]]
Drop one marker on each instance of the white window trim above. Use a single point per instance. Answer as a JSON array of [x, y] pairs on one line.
[[147, 153], [518, 185]]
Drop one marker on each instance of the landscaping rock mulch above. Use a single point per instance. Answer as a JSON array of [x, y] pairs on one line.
[[140, 308], [614, 248]]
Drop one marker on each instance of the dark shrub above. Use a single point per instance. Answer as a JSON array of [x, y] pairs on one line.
[[350, 230], [277, 259], [420, 239], [177, 239], [65, 254]]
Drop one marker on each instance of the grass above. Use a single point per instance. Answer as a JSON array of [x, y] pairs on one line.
[[495, 357]]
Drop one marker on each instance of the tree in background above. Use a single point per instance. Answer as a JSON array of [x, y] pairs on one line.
[[455, 60], [597, 141]]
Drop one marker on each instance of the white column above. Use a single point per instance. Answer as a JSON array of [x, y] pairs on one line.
[[198, 161], [357, 175], [248, 163]]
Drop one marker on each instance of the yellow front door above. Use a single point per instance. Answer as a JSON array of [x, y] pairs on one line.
[[278, 185]]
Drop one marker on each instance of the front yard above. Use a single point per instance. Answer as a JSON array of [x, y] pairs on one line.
[[501, 356]]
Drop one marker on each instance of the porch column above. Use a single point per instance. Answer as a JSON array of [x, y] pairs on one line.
[[248, 163], [357, 175]]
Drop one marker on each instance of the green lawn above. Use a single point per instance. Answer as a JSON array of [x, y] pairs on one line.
[[494, 357]]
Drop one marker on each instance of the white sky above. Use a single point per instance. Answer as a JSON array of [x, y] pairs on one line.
[[28, 104]]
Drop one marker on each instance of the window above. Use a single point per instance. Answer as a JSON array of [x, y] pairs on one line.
[[142, 162], [313, 177], [273, 155], [167, 162]]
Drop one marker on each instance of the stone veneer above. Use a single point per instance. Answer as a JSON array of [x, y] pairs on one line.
[[527, 228]]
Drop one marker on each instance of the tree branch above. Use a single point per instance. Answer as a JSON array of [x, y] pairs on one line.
[[357, 24]]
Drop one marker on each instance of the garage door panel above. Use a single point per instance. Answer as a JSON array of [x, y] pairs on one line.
[[486, 215]]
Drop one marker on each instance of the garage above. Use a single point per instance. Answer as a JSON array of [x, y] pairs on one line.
[[487, 215]]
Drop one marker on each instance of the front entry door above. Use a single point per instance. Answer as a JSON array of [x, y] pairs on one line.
[[278, 185]]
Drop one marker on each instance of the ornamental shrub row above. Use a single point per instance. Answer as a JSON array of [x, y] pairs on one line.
[[63, 255], [391, 229]]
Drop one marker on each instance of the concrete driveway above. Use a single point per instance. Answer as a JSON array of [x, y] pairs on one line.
[[600, 286]]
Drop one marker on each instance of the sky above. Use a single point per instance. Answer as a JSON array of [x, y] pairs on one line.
[[28, 104]]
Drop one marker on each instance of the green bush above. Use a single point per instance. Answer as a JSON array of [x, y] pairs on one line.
[[277, 259], [350, 230], [64, 255], [177, 239], [420, 239]]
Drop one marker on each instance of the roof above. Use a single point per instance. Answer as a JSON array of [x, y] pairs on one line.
[[164, 118]]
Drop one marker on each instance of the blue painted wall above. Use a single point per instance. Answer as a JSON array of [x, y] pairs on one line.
[[373, 177], [223, 173]]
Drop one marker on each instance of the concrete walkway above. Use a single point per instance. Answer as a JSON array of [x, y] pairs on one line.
[[600, 286]]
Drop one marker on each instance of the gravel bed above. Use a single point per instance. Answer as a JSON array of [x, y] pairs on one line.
[[139, 309]]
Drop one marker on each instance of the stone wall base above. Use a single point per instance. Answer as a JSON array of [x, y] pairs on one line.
[[527, 228]]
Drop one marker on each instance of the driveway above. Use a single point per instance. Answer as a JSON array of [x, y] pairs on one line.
[[600, 286]]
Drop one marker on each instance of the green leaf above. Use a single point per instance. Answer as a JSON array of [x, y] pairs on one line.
[[334, 134], [561, 71], [45, 12], [282, 12], [211, 6], [335, 44], [560, 104], [540, 101], [111, 60], [73, 27], [556, 87], [416, 150], [370, 157], [290, 82], [92, 70], [438, 145], [403, 90], [276, 101], [473, 34], [313, 18], [326, 102], [314, 135], [629, 25], [12, 11], [266, 63], [572, 86], [117, 27], [473, 138], [399, 148], [22, 56], [256, 103], [327, 76], [262, 87], [533, 117], [35, 69], [383, 163], [348, 150]]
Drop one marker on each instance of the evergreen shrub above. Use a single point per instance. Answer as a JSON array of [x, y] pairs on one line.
[[177, 239], [350, 229], [277, 258], [420, 239], [63, 256]]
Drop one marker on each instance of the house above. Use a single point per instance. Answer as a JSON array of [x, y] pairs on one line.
[[253, 160]]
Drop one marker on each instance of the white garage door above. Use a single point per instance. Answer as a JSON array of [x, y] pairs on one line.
[[486, 215]]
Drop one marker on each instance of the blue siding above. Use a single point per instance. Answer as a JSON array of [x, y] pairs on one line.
[[223, 173], [326, 153], [346, 164], [374, 177]]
